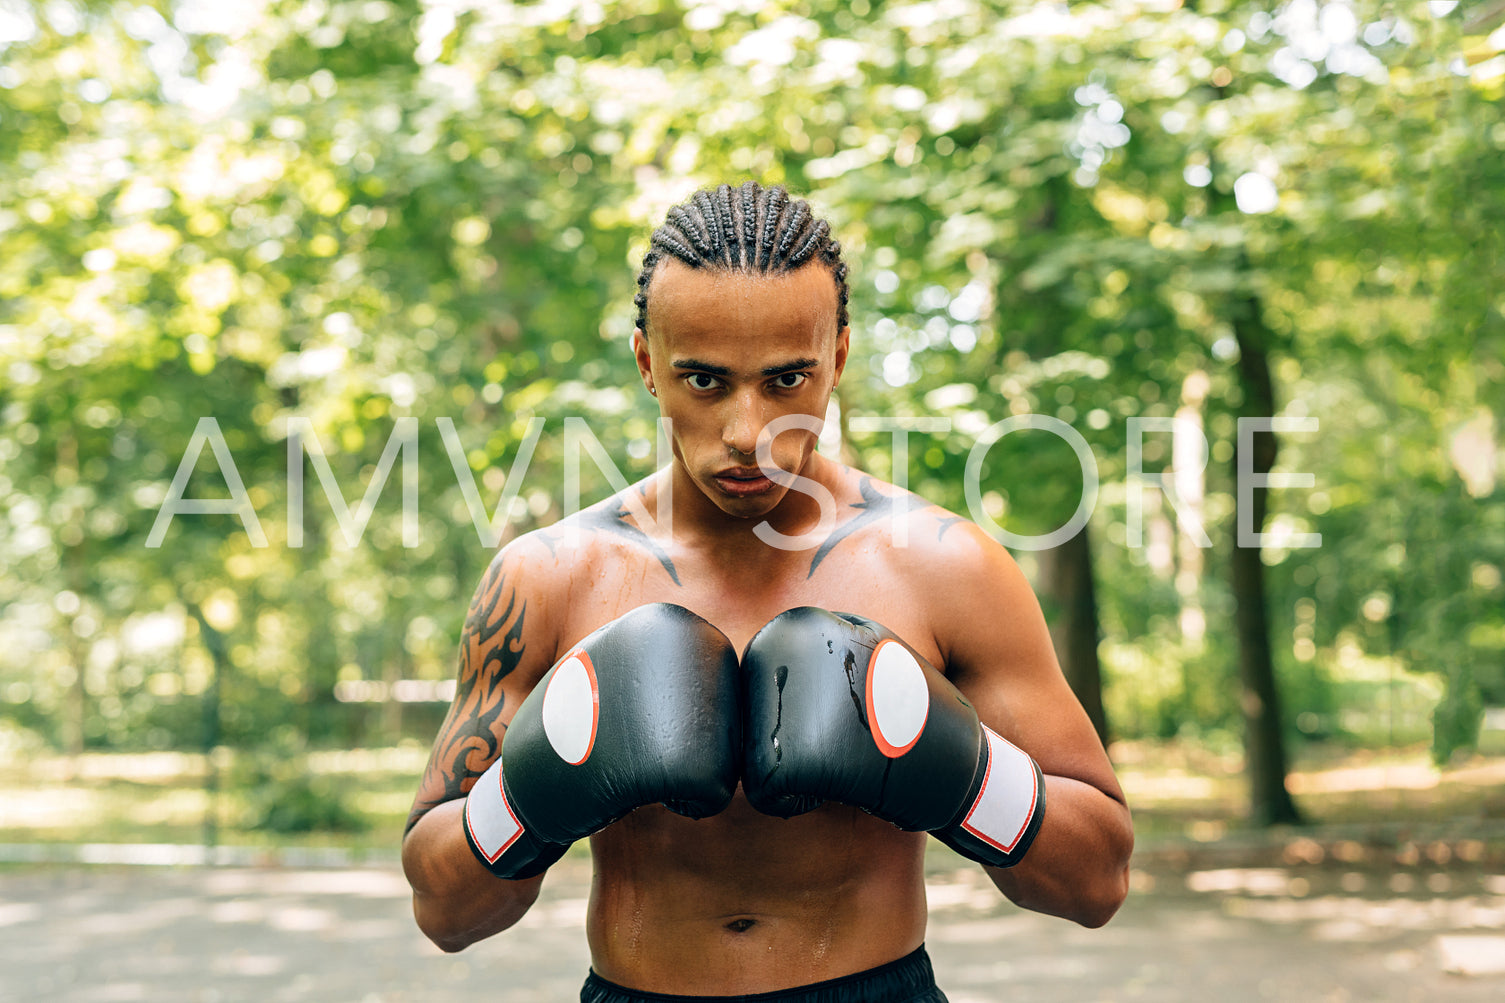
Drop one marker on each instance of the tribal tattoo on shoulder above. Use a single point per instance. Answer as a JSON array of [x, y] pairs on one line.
[[611, 517], [469, 738], [946, 521], [876, 505]]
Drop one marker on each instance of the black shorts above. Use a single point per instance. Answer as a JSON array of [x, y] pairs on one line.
[[908, 980]]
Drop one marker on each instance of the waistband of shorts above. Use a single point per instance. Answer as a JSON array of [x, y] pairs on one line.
[[911, 973]]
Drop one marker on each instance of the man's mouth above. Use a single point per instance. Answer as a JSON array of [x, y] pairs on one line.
[[742, 481]]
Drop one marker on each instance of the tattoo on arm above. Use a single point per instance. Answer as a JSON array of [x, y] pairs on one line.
[[469, 738]]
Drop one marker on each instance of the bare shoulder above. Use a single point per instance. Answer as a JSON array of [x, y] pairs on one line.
[[885, 516], [965, 564], [523, 580], [927, 543]]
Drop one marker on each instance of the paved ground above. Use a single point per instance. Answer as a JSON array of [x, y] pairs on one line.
[[1315, 931]]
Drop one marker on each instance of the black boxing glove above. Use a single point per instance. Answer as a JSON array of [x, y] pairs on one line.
[[642, 711], [838, 708]]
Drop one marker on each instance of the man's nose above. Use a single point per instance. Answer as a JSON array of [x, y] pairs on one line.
[[743, 424]]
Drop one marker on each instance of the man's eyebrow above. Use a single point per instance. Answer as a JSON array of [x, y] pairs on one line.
[[794, 366], [790, 367], [701, 367]]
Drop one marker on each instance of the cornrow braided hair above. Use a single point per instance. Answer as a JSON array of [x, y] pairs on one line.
[[751, 228]]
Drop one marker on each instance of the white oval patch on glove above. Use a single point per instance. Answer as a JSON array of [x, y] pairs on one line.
[[571, 709], [898, 698]]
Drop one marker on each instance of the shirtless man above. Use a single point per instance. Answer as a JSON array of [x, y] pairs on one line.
[[742, 323]]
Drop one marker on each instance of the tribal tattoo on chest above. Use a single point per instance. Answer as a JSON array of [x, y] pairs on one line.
[[874, 507], [612, 516]]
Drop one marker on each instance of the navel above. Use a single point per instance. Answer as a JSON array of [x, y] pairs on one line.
[[741, 925]]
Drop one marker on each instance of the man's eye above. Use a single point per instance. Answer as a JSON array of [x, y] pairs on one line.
[[788, 381], [702, 381]]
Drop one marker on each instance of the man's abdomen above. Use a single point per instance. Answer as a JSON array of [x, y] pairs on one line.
[[747, 903]]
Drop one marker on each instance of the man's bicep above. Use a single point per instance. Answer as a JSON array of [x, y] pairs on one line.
[[505, 646], [1003, 659]]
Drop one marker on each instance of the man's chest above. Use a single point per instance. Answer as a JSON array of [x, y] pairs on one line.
[[740, 596]]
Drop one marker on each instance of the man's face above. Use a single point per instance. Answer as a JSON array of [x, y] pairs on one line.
[[730, 352]]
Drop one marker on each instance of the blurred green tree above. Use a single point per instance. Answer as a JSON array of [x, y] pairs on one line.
[[365, 214]]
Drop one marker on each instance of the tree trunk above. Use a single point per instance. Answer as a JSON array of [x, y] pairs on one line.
[[1264, 744], [214, 644], [1189, 457], [76, 572], [1066, 577], [321, 662], [1066, 570]]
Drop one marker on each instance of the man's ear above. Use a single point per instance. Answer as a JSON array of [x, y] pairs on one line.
[[644, 359], [843, 343]]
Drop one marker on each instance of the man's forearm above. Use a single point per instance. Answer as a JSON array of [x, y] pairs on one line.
[[1078, 865], [456, 900]]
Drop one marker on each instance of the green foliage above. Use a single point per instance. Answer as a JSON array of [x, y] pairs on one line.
[[358, 212], [282, 795]]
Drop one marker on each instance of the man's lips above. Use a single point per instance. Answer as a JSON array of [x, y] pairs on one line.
[[741, 473], [742, 481]]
